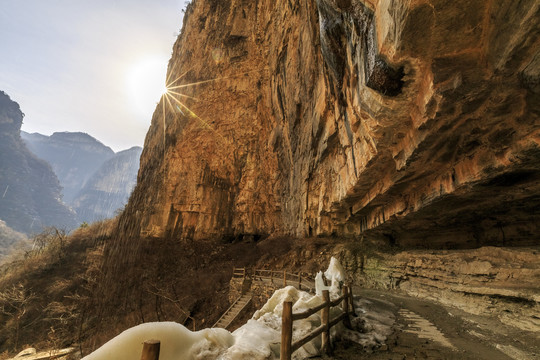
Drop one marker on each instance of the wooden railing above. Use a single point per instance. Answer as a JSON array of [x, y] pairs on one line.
[[284, 277], [151, 348], [288, 347], [239, 272]]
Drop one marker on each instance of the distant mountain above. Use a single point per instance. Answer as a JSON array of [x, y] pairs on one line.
[[30, 194], [74, 157], [96, 181], [109, 187]]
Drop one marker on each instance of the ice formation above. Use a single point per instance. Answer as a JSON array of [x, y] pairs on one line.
[[335, 274], [335, 271], [177, 342], [258, 339]]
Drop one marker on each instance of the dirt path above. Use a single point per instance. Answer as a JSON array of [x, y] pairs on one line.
[[427, 330]]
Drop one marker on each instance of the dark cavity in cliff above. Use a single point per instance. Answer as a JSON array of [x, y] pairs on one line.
[[347, 29]]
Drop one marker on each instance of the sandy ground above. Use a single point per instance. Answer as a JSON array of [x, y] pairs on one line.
[[426, 330]]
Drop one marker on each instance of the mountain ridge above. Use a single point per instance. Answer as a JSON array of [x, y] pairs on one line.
[[31, 193], [81, 162]]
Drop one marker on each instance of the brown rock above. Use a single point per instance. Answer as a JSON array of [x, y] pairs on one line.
[[411, 122]]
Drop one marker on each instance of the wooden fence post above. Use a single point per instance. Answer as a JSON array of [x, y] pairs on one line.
[[286, 331], [325, 319], [299, 282], [150, 350], [346, 320]]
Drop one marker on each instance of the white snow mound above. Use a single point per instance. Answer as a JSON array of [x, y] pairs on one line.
[[177, 342]]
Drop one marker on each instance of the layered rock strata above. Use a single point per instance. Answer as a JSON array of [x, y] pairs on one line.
[[414, 122], [499, 282]]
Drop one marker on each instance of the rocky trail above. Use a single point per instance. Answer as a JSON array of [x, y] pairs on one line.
[[427, 330]]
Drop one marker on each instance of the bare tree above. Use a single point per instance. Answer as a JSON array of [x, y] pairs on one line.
[[14, 303]]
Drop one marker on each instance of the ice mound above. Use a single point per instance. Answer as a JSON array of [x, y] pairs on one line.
[[177, 342]]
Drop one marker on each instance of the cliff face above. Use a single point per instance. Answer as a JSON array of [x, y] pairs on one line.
[[415, 122], [30, 193]]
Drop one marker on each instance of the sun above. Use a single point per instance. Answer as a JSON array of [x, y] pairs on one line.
[[145, 81]]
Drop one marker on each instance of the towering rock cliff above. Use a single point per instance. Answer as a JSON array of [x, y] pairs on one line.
[[30, 197], [413, 122]]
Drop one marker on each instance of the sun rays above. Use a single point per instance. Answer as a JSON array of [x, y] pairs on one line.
[[174, 100]]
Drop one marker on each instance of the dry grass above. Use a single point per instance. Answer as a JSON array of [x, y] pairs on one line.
[[43, 290], [85, 288]]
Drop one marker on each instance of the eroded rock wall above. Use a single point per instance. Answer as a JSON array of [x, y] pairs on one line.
[[494, 281], [413, 121]]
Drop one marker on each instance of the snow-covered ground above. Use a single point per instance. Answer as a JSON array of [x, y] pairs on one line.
[[259, 338]]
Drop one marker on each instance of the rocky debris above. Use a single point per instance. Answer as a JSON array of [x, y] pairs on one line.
[[373, 324]]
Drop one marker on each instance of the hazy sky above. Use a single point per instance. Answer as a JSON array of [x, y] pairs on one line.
[[96, 66]]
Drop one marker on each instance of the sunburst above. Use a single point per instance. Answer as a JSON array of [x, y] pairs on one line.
[[172, 99]]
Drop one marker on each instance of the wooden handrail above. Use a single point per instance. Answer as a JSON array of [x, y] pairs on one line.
[[286, 331], [239, 272], [308, 312], [288, 278], [288, 347], [298, 344], [337, 301]]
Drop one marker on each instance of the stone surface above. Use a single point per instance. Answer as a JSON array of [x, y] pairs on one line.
[[499, 282], [411, 122]]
